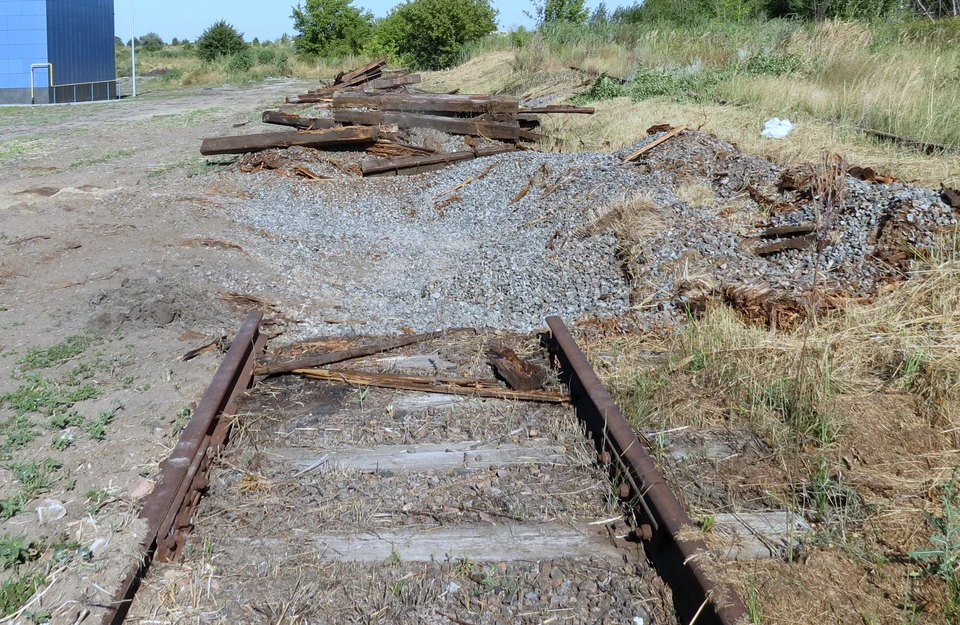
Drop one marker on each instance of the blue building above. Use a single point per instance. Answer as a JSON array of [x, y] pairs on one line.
[[65, 46]]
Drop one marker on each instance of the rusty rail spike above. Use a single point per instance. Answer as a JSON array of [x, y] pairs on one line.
[[168, 509], [696, 597]]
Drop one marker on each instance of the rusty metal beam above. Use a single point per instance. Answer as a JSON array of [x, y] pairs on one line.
[[168, 509], [677, 560]]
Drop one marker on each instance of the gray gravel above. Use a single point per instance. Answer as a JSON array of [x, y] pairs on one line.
[[393, 252], [416, 252]]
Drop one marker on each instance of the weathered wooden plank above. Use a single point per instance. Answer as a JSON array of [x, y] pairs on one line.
[[795, 243], [295, 121], [373, 67], [409, 165], [758, 535], [451, 125], [363, 118], [655, 143], [329, 358], [558, 108], [498, 541], [387, 83], [428, 103], [423, 457], [241, 144], [431, 384]]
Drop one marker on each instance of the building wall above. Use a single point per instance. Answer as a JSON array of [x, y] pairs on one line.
[[80, 40], [23, 41]]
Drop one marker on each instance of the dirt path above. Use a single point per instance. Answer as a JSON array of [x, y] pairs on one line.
[[105, 252]]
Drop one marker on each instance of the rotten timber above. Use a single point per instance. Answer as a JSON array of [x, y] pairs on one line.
[[333, 137], [428, 103], [558, 108], [503, 131], [399, 81], [518, 374], [295, 121], [411, 165]]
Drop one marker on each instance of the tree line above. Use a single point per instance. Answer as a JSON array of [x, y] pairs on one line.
[[431, 34]]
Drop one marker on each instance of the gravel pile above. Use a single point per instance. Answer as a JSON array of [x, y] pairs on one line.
[[873, 236], [504, 241], [418, 252]]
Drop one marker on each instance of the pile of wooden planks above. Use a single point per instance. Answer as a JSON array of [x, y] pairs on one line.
[[371, 107], [369, 77]]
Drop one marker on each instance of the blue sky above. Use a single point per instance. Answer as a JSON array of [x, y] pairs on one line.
[[188, 18]]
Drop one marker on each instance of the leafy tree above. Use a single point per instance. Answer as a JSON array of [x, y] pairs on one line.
[[546, 11], [117, 42], [174, 42], [255, 42], [632, 14], [330, 28], [221, 39], [430, 34], [151, 42]]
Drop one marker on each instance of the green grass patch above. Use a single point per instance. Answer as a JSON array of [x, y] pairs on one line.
[[103, 158], [16, 591], [12, 506], [35, 477], [14, 148], [185, 120], [16, 550], [46, 357], [39, 394]]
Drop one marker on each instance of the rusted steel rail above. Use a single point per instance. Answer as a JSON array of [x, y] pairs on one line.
[[169, 509], [696, 598]]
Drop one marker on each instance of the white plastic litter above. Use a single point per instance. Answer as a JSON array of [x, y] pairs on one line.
[[776, 128], [51, 510]]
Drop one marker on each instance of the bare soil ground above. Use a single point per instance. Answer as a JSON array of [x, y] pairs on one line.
[[105, 237]]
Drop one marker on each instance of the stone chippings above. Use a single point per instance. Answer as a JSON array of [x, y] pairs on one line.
[[399, 252], [393, 251]]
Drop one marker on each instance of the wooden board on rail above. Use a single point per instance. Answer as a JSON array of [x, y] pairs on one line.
[[427, 103], [333, 137]]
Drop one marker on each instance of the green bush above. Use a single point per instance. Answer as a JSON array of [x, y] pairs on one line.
[[172, 75], [240, 62], [283, 64], [266, 56], [151, 42], [431, 34], [773, 64], [220, 40], [330, 28]]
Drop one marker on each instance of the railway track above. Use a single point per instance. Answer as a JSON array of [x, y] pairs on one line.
[[338, 502]]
